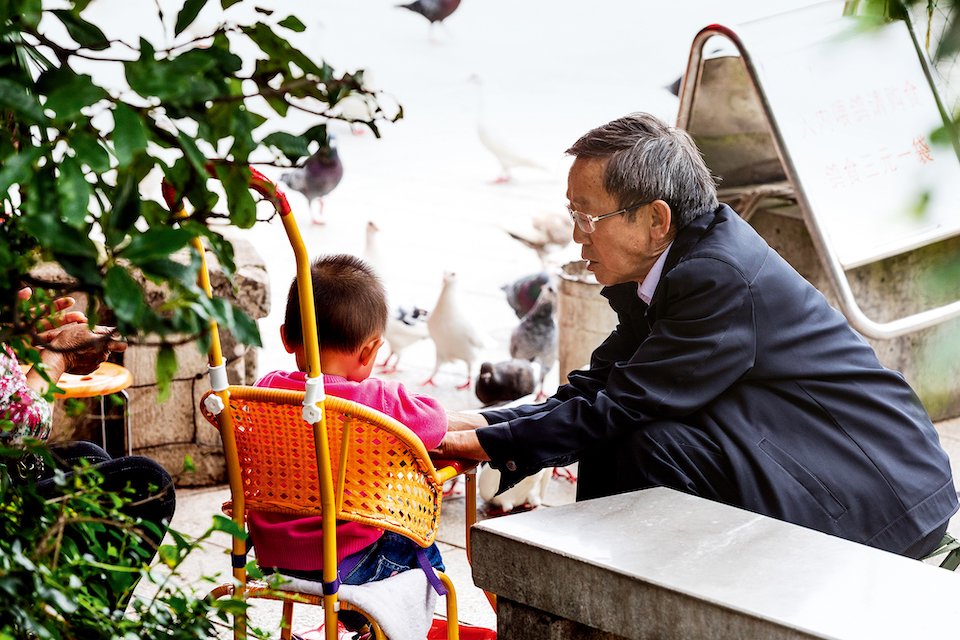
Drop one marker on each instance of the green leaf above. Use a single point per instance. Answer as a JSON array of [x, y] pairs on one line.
[[240, 203], [276, 47], [293, 147], [129, 135], [29, 12], [74, 192], [124, 207], [293, 23], [166, 369], [123, 295], [226, 4], [244, 328], [242, 131], [84, 33], [18, 168], [155, 243], [16, 98], [225, 524], [192, 153], [90, 151], [73, 94], [189, 12], [169, 271]]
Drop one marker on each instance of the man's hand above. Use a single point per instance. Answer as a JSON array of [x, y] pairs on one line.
[[51, 318], [464, 421], [81, 348], [461, 444]]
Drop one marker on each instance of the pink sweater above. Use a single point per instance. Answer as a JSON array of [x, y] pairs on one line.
[[295, 543]]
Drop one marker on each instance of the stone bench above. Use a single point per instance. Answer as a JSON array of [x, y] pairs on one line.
[[662, 564]]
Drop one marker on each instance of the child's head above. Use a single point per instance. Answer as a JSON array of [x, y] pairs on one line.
[[351, 311]]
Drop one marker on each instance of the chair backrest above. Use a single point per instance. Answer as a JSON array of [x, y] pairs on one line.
[[383, 476]]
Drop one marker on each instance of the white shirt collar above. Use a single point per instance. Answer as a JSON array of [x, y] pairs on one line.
[[647, 288]]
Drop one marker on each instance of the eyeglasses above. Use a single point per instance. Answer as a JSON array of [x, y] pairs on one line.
[[588, 223]]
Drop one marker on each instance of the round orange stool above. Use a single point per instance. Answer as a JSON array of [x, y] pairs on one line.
[[107, 379]]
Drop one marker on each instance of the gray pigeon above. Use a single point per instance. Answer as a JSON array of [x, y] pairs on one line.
[[318, 176], [432, 10], [535, 338], [506, 381], [523, 292]]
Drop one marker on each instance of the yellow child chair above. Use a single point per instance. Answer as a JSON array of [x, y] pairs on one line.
[[307, 454]]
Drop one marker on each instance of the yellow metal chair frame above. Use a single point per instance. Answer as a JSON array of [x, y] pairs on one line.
[[305, 453]]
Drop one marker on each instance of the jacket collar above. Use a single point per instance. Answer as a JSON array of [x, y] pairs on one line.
[[623, 297]]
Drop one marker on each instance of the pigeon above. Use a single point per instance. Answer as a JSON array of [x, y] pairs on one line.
[[354, 110], [406, 326], [535, 338], [528, 493], [502, 146], [318, 176], [372, 254], [454, 336], [548, 233], [506, 381], [522, 293], [432, 10]]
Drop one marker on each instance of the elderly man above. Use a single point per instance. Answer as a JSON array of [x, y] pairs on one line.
[[728, 375]]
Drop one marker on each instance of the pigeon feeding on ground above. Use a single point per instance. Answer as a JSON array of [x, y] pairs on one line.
[[453, 334], [523, 292], [406, 326], [548, 232], [318, 176], [526, 494], [432, 10], [535, 338], [506, 381]]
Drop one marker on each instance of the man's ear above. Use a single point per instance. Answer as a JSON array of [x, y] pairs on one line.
[[369, 351], [283, 338], [660, 219]]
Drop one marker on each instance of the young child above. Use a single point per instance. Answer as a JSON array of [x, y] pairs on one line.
[[351, 313]]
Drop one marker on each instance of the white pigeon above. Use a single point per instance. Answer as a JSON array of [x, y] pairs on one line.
[[528, 492], [502, 146], [453, 334], [372, 254], [406, 326]]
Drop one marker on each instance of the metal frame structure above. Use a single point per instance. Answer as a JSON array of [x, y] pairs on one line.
[[793, 189]]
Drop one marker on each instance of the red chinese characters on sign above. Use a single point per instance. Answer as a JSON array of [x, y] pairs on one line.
[[860, 108], [878, 164]]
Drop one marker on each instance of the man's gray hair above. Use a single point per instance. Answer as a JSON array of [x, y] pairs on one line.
[[650, 160]]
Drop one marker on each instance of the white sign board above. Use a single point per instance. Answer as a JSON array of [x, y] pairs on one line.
[[856, 112]]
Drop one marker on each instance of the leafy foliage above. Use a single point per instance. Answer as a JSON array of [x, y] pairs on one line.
[[74, 153], [60, 559]]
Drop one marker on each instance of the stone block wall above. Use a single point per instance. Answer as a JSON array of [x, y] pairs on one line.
[[173, 430]]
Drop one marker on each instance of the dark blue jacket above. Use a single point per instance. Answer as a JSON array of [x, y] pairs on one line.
[[737, 344]]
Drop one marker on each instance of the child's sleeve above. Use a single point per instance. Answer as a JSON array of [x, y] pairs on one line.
[[421, 414]]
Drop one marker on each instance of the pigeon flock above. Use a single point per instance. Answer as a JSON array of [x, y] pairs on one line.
[[450, 325]]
